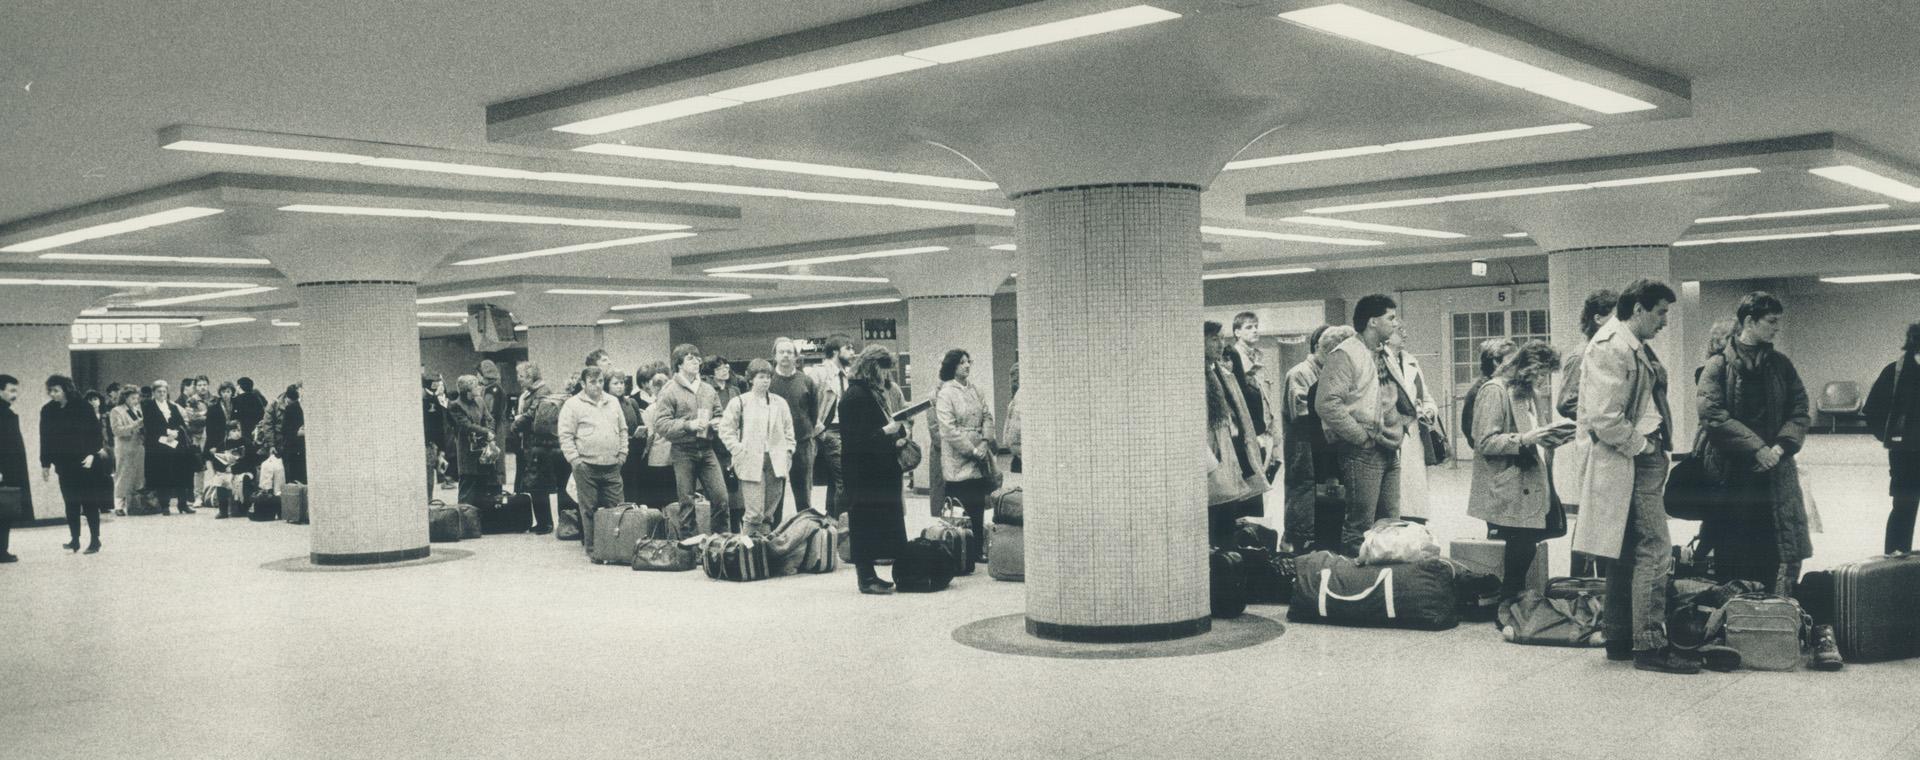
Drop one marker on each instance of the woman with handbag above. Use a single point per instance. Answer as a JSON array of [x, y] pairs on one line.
[[1425, 442], [964, 419], [470, 422], [1893, 414], [1512, 481], [871, 446]]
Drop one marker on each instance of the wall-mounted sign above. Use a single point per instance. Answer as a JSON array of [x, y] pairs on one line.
[[878, 329], [115, 333]]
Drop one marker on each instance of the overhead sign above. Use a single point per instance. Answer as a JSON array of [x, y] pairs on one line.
[[114, 333], [878, 329]]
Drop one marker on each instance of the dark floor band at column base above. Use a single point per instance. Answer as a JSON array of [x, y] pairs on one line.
[[369, 558], [1120, 634]]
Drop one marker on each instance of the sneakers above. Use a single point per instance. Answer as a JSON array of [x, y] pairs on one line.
[[1826, 649], [1665, 660]]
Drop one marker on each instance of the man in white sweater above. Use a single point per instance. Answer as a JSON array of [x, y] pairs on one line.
[[593, 437]]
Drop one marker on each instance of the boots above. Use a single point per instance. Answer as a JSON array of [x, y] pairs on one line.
[[1826, 649]]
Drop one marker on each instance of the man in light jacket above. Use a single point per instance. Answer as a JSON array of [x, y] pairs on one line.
[[1623, 410], [687, 413], [593, 438], [1365, 406]]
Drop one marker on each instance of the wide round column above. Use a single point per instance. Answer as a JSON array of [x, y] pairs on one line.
[[360, 362], [1574, 273], [34, 351], [1113, 412], [560, 349], [633, 344]]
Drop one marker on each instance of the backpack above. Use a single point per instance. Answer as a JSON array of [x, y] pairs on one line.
[[546, 420]]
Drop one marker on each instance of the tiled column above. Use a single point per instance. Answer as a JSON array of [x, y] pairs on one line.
[[35, 329], [360, 366], [1113, 412], [1576, 272], [633, 344], [560, 349]]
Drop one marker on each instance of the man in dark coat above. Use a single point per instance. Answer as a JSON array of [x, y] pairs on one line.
[[13, 463], [164, 431]]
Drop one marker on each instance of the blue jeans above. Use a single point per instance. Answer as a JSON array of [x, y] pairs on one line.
[[1299, 486], [1372, 478], [599, 487], [695, 464], [1637, 581]]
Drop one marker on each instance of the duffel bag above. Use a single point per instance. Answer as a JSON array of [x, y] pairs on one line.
[[1335, 589], [507, 513], [923, 567], [1269, 575], [443, 522], [1569, 613], [1008, 505], [469, 521], [619, 529], [266, 508], [666, 554], [293, 503], [731, 557], [144, 503], [806, 543]]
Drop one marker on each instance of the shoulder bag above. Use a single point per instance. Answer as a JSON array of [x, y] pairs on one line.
[[908, 455]]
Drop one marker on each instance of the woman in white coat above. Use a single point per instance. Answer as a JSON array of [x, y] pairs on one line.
[[1413, 452], [757, 429]]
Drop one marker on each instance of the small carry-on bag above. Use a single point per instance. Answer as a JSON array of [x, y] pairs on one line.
[[666, 554], [923, 567], [1007, 555], [1569, 613], [293, 503], [469, 521], [1770, 632], [1008, 505], [954, 531], [617, 532], [1226, 583], [731, 557], [266, 508], [1335, 589], [1268, 574], [506, 513], [1874, 607], [443, 522]]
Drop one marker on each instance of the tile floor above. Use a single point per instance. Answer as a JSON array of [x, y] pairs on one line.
[[175, 642]]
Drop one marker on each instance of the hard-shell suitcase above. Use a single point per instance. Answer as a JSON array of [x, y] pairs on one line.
[[507, 513], [469, 521], [1007, 552], [266, 508], [1227, 583], [1874, 604], [923, 567], [293, 503], [443, 523], [731, 557], [955, 538], [617, 531], [1335, 589]]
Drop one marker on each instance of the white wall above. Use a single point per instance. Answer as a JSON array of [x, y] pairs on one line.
[[272, 368]]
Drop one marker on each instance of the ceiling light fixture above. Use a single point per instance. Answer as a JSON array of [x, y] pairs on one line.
[[1514, 235], [1858, 279], [1850, 175], [110, 229], [834, 259], [463, 297], [575, 248], [610, 321], [139, 321], [829, 305], [448, 314], [1881, 230], [83, 283], [681, 302], [790, 167], [284, 323], [1361, 26], [467, 216], [176, 300], [1539, 190], [1288, 236], [968, 49], [1370, 227], [1408, 145], [111, 346], [223, 321], [144, 258], [439, 324], [1256, 273], [796, 277], [1003, 247], [1787, 214]]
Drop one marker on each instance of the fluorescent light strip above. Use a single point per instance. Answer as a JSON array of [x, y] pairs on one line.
[[1256, 273], [81, 283], [796, 277], [835, 259], [575, 248], [176, 300], [143, 258], [439, 324], [963, 50], [109, 229], [1540, 190], [1857, 279], [610, 321], [1881, 230], [463, 297], [139, 321], [223, 321], [1361, 26], [1409, 145], [1265, 235], [284, 323], [261, 151], [1003, 247], [705, 187], [111, 346], [1850, 175], [829, 305], [790, 167], [433, 314], [1787, 214], [466, 216], [1370, 227], [681, 302], [1514, 235]]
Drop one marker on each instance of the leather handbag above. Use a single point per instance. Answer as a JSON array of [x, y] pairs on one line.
[[908, 455], [1692, 494], [1433, 440]]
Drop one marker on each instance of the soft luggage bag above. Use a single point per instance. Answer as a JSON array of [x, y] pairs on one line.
[[1390, 541], [955, 539], [805, 543], [1570, 612], [923, 567], [567, 525], [469, 521], [617, 531], [1268, 574], [266, 508], [1226, 583], [144, 503], [1248, 534], [1008, 505], [507, 513], [1007, 559], [666, 554], [1770, 632], [732, 557], [1874, 608], [1335, 589], [443, 523], [293, 503]]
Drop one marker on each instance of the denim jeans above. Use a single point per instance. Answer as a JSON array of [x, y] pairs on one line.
[[1298, 523], [695, 465], [1637, 581], [1372, 476], [827, 458], [801, 476], [761, 500], [599, 486]]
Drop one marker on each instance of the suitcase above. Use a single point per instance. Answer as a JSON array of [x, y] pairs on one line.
[[508, 513], [1269, 575], [443, 523], [1769, 632], [695, 522], [1008, 505], [1331, 588], [1488, 556], [955, 538], [293, 503], [618, 531], [469, 521], [266, 508], [1007, 555], [666, 554], [567, 525], [923, 567], [1248, 534], [732, 557], [1873, 608], [1227, 583]]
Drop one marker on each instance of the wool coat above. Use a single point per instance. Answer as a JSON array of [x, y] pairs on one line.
[[870, 469], [1751, 397]]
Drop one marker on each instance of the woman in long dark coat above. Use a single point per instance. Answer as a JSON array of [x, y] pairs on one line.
[[293, 437], [876, 511], [470, 423], [71, 444]]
